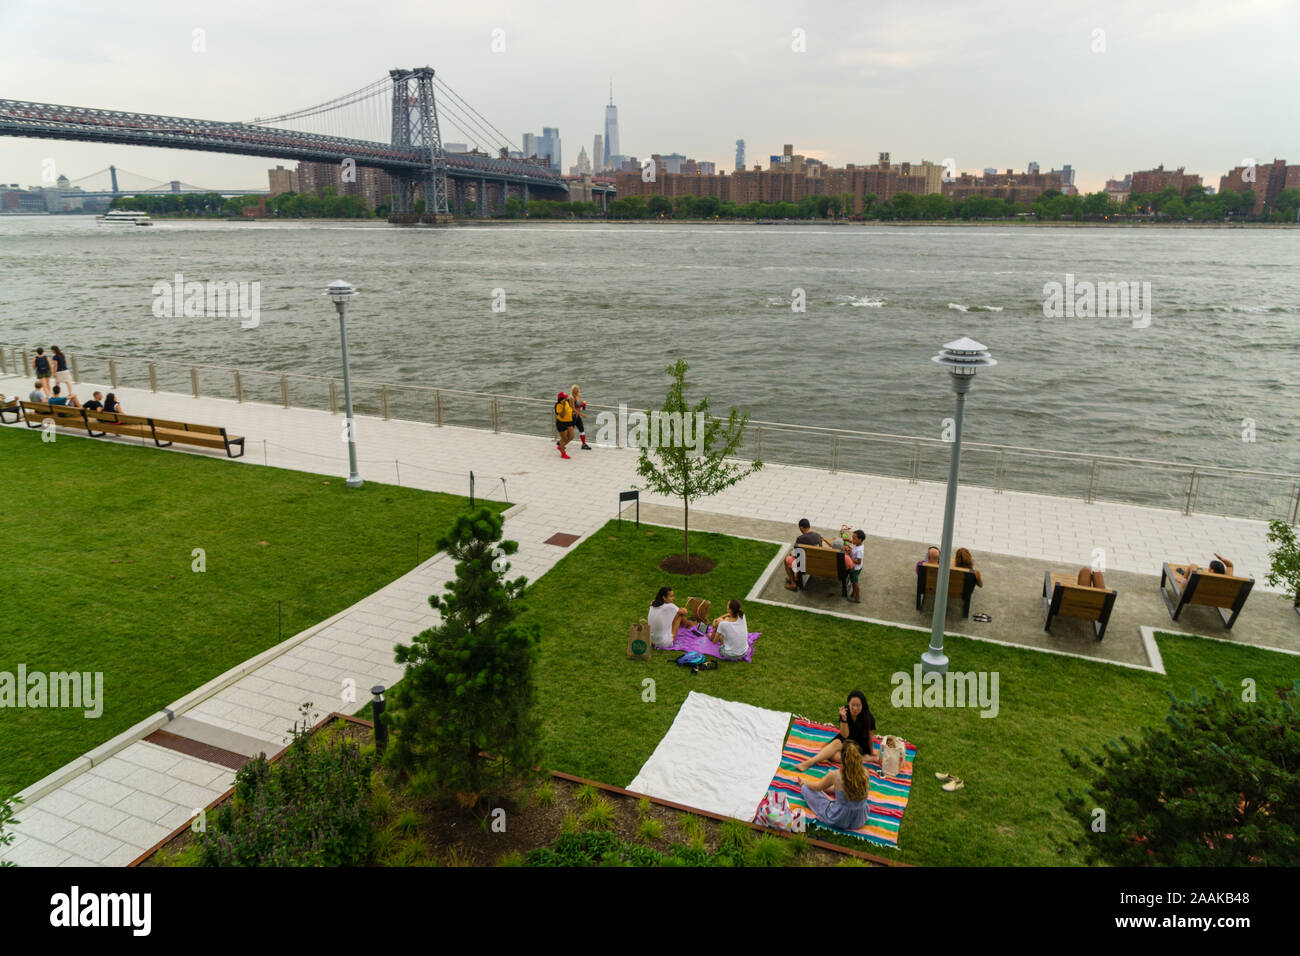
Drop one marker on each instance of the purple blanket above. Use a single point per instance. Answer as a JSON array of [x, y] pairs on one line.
[[688, 640]]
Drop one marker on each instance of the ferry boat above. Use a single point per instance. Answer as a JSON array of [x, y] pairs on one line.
[[126, 217]]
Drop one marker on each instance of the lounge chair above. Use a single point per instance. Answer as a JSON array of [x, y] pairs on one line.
[[1223, 592], [1064, 596]]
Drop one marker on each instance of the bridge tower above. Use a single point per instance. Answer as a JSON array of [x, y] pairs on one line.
[[415, 125], [112, 172]]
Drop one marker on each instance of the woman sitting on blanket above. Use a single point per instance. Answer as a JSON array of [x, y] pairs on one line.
[[848, 810], [732, 632], [666, 619], [856, 725]]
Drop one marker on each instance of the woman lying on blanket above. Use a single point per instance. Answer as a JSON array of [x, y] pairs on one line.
[[856, 725], [848, 810]]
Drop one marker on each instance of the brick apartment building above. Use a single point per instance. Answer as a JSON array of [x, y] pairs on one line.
[[1269, 181], [1159, 179], [372, 185], [1020, 188]]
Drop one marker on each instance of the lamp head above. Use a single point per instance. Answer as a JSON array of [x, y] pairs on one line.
[[964, 357], [340, 291]]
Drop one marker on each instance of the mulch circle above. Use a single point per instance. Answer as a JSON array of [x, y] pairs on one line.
[[676, 564]]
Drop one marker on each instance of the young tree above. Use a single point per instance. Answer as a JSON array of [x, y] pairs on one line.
[[1285, 558], [697, 468], [469, 682], [1219, 787]]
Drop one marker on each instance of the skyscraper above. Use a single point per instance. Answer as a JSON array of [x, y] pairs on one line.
[[548, 144], [740, 155], [611, 128], [598, 154], [530, 145]]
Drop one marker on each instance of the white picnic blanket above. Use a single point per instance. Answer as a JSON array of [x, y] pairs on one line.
[[718, 755]]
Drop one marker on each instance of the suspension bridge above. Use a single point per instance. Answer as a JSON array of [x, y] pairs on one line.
[[392, 124]]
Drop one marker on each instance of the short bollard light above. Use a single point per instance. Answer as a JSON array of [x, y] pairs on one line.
[[377, 707]]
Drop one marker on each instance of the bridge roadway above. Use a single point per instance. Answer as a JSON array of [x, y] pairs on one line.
[[49, 121]]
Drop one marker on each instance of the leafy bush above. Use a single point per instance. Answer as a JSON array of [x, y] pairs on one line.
[[309, 809], [1220, 787], [7, 818]]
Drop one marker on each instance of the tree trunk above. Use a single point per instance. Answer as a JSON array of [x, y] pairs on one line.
[[686, 531]]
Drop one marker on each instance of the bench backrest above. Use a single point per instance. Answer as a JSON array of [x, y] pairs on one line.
[[1216, 590], [165, 424], [1083, 602], [37, 410], [958, 579], [115, 418], [819, 561]]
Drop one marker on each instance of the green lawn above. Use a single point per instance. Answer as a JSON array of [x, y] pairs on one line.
[[98, 542], [598, 726]]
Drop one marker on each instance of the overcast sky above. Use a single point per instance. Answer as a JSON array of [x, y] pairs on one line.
[[1106, 86]]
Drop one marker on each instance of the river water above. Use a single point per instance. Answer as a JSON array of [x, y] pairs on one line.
[[610, 305]]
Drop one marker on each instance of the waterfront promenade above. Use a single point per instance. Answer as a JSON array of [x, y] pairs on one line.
[[110, 806]]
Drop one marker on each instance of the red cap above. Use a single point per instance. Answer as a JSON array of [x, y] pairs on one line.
[[560, 396]]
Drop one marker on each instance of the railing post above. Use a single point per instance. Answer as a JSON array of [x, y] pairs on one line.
[[1092, 481], [112, 372], [1295, 508], [334, 397], [758, 442], [1191, 482], [25, 366], [496, 415], [239, 387], [383, 399], [833, 452], [153, 377], [916, 461], [284, 389], [437, 406], [194, 379], [76, 371], [1000, 476]]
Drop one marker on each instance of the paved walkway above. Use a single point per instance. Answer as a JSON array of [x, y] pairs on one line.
[[114, 803]]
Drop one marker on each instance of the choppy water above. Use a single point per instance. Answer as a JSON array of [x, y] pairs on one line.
[[609, 306]]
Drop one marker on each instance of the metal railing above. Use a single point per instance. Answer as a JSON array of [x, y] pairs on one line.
[[1209, 489]]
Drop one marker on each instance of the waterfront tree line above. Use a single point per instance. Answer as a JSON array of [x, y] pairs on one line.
[[1194, 204]]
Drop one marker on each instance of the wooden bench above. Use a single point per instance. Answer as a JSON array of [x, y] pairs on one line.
[[163, 432], [961, 582], [1064, 596], [815, 561], [1219, 591], [203, 436], [14, 408]]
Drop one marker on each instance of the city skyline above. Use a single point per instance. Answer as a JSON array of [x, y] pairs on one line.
[[1077, 77]]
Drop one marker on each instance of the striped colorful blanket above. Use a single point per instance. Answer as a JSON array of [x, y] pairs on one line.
[[887, 795]]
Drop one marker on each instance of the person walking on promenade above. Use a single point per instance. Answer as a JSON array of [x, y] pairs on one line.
[[42, 365], [563, 422], [61, 374], [579, 406]]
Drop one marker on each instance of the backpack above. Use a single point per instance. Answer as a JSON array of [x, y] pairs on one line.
[[696, 662]]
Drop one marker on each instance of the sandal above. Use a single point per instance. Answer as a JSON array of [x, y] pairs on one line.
[[943, 777], [792, 587], [981, 618], [954, 784]]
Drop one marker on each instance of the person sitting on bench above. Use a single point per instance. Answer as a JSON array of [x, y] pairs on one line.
[[856, 724], [1221, 566], [807, 538], [931, 557], [665, 619], [96, 402], [60, 399], [732, 632], [963, 559], [1088, 578], [37, 394]]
